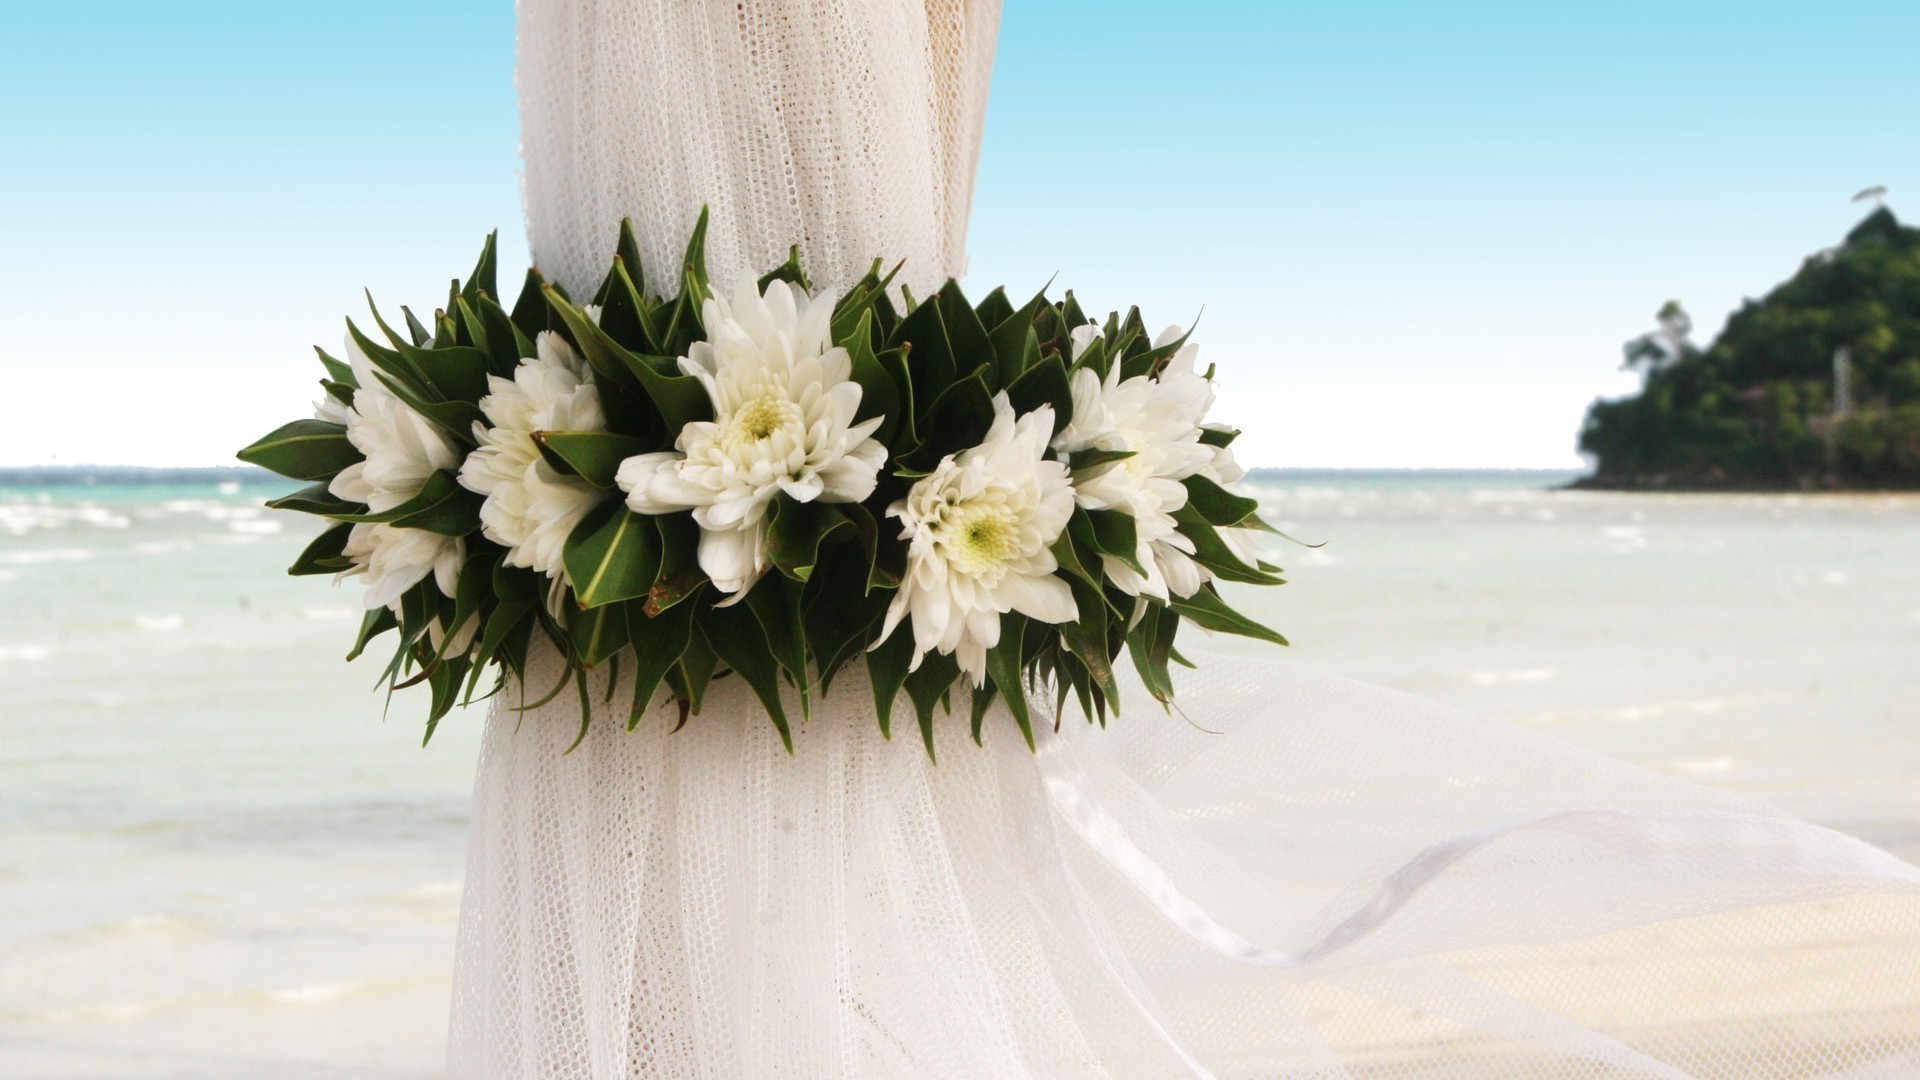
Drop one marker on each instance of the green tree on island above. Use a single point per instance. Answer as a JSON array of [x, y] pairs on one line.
[[1815, 386]]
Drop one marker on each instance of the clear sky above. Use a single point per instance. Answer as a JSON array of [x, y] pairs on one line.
[[1419, 230]]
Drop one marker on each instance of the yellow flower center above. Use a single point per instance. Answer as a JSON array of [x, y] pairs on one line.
[[761, 417], [981, 538]]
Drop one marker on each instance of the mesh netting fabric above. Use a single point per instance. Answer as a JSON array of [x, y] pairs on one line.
[[848, 127], [1331, 881], [1439, 895]]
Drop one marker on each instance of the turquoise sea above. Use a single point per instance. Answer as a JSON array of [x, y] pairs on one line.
[[219, 859]]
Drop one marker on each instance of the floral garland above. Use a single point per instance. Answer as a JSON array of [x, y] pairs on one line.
[[974, 498]]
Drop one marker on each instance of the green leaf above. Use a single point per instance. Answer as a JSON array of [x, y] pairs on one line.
[[887, 670], [906, 431], [695, 671], [681, 399], [1086, 637], [625, 314], [506, 617], [1207, 610], [1114, 535], [995, 309], [1151, 643], [929, 686], [680, 574], [337, 371], [736, 638], [931, 367], [966, 336], [797, 532], [775, 603], [531, 312], [303, 450], [1003, 667], [593, 456], [440, 506], [603, 354], [323, 555], [838, 613], [693, 267], [315, 499], [1089, 459], [789, 271], [417, 332], [1211, 552], [1218, 434], [959, 419], [598, 633], [448, 372], [456, 418], [868, 295], [627, 249], [1045, 383], [1218, 505], [658, 644], [612, 555], [482, 278], [879, 394], [374, 623]]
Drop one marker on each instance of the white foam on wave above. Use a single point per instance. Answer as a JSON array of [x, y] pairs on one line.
[[329, 614], [159, 624], [1634, 714], [45, 555], [1516, 675], [262, 527], [21, 518], [23, 654], [1712, 766], [312, 993]]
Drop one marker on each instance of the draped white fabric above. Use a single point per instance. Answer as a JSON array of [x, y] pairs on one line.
[[1313, 878]]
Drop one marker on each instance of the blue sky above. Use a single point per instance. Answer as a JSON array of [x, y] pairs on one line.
[[1419, 230]]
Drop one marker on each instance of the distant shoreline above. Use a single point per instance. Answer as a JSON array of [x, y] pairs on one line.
[[37, 476], [1594, 483]]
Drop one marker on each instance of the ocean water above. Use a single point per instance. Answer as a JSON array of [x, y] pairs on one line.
[[219, 859]]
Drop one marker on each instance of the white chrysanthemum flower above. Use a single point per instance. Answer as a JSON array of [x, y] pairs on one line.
[[395, 560], [530, 506], [783, 407], [1157, 420], [332, 410], [402, 450], [979, 532]]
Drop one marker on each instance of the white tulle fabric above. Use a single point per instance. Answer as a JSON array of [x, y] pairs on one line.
[[848, 127], [1313, 878]]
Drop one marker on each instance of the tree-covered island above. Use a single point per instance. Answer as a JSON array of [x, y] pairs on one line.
[[1817, 386]]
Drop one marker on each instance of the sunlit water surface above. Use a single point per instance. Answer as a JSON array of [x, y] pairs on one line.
[[217, 859]]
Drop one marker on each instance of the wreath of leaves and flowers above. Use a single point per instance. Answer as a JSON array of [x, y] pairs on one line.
[[979, 502]]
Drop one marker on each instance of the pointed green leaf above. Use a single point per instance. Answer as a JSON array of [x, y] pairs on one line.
[[1206, 609], [323, 555], [887, 671], [315, 499], [612, 555], [1218, 505], [303, 450], [1114, 535], [798, 530], [680, 574], [737, 639], [1045, 383], [1003, 667], [598, 633], [593, 456], [658, 644], [879, 394]]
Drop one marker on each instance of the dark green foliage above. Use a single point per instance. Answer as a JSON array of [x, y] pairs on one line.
[[634, 600], [1756, 408]]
